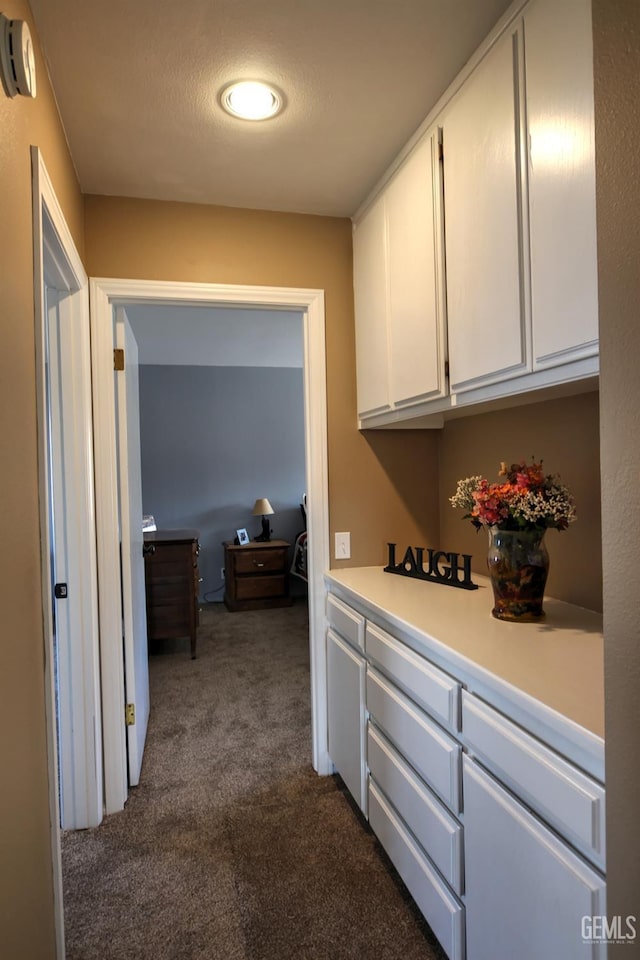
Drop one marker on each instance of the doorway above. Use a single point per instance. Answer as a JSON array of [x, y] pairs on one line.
[[105, 297], [69, 577]]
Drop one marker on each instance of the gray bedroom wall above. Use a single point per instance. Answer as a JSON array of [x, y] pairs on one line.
[[215, 439]]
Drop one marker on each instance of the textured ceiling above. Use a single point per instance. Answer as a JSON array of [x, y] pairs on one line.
[[137, 83]]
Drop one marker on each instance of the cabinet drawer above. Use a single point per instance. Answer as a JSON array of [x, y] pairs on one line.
[[428, 748], [443, 912], [432, 825], [249, 588], [345, 621], [165, 589], [260, 561], [430, 687], [565, 797], [167, 621]]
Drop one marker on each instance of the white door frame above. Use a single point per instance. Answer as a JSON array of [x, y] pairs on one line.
[[104, 295], [57, 266]]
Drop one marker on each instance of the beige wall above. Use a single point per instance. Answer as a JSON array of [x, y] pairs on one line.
[[565, 434], [617, 94], [26, 892], [381, 486]]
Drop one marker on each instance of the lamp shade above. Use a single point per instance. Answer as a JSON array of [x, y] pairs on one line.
[[262, 508]]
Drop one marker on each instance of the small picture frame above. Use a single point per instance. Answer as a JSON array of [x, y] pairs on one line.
[[243, 536]]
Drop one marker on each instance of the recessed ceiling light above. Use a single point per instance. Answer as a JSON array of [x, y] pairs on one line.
[[251, 100]]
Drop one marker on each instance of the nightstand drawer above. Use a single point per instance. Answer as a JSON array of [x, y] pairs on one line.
[[260, 561], [252, 588]]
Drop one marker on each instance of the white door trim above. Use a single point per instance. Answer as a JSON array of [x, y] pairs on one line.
[[58, 265], [104, 294]]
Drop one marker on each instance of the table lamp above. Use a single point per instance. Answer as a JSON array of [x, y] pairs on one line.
[[263, 508]]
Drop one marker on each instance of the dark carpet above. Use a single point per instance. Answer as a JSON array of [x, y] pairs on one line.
[[231, 847]]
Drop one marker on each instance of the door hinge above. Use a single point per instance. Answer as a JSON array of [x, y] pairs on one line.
[[130, 714], [440, 151], [446, 369], [118, 359]]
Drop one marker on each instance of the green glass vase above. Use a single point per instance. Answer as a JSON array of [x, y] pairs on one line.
[[518, 567]]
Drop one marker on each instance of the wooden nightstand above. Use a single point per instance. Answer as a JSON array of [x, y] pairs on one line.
[[172, 583], [256, 575]]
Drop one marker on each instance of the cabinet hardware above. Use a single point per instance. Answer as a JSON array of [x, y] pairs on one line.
[[130, 714], [118, 359]]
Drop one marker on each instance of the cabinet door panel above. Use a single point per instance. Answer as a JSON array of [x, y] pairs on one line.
[[539, 890], [414, 250], [562, 197], [485, 302], [370, 293], [346, 672]]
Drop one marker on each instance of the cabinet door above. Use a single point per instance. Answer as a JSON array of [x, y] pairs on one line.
[[416, 296], [562, 197], [526, 891], [346, 673], [370, 293], [487, 319]]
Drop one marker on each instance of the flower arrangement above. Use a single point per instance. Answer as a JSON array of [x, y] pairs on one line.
[[526, 499]]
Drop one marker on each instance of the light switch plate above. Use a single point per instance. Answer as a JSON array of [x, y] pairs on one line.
[[343, 546]]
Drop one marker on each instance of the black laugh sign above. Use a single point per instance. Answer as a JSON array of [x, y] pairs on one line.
[[437, 566]]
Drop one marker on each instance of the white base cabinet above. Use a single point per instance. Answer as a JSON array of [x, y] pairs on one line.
[[494, 822], [527, 891]]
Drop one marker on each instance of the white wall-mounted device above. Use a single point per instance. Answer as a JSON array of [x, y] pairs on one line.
[[17, 58]]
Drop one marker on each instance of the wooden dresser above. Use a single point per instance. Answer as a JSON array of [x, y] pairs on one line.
[[256, 575], [172, 581]]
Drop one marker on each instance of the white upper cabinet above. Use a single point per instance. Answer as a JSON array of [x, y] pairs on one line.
[[485, 258], [486, 305], [416, 288], [562, 196], [370, 293], [399, 288]]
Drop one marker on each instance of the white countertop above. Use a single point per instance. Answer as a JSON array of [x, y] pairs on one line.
[[558, 662]]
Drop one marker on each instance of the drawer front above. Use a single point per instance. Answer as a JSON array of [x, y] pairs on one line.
[[565, 797], [168, 621], [345, 621], [166, 589], [260, 561], [429, 821], [430, 687], [428, 748], [441, 909], [258, 588]]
